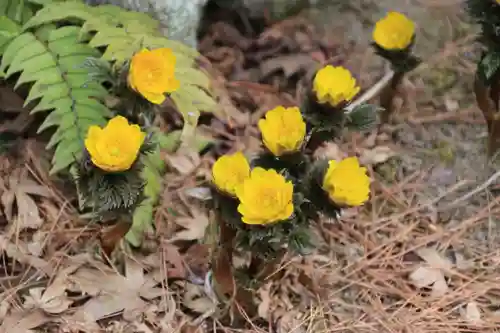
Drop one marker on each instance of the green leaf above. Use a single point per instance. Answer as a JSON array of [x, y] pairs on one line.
[[488, 66], [123, 33], [142, 219], [9, 30], [19, 11], [59, 83], [363, 117], [171, 141], [59, 11]]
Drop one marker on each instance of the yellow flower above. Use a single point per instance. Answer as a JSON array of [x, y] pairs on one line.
[[283, 130], [151, 74], [346, 182], [116, 146], [265, 197], [394, 32], [334, 85], [229, 171]]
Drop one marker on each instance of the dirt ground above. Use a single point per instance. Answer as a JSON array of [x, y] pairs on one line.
[[418, 258]]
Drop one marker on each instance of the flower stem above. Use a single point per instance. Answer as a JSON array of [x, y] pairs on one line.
[[387, 97]]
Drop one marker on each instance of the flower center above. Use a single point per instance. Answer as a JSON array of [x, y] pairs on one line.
[[267, 197], [114, 151]]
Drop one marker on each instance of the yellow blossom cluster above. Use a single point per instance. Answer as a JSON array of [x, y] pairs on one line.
[[265, 196], [115, 147]]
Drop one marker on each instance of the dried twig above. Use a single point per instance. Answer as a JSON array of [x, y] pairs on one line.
[[372, 92]]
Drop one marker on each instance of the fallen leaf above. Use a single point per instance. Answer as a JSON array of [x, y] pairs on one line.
[[472, 314], [184, 162], [24, 321], [175, 267], [113, 293], [54, 305], [377, 155], [18, 197], [434, 259], [200, 193], [265, 301], [20, 253], [194, 227], [53, 298], [195, 299], [290, 64], [425, 277], [329, 151]]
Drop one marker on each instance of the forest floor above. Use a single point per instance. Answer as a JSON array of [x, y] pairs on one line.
[[421, 256]]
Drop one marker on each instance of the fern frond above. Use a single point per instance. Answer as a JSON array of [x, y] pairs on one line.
[[52, 60], [142, 219], [122, 33], [19, 11]]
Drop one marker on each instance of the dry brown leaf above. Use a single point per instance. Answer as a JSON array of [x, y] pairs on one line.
[[194, 298], [184, 162], [265, 301], [434, 259], [37, 299], [194, 226], [20, 253], [330, 151], [24, 321], [18, 197], [113, 293], [35, 247], [425, 277], [472, 314], [200, 193], [290, 64], [377, 155], [227, 111]]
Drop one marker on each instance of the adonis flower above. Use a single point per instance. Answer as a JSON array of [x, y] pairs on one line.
[[283, 130], [346, 182], [116, 146], [265, 197], [394, 32], [151, 74], [229, 171], [334, 85]]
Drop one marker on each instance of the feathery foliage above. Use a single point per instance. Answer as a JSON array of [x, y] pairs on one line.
[[122, 33], [51, 59]]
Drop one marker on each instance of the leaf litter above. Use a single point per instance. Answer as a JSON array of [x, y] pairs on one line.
[[359, 281]]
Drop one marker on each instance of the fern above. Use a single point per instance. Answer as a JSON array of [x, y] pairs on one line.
[[51, 59], [122, 33], [18, 11], [152, 173]]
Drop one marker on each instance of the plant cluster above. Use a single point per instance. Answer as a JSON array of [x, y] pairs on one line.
[[393, 40], [487, 88], [270, 200], [100, 73]]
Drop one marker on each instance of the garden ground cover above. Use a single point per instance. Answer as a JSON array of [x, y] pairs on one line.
[[421, 256]]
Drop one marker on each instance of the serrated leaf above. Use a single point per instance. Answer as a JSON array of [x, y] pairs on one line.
[[142, 219], [489, 66], [9, 29], [363, 117], [58, 11], [18, 11], [122, 33], [59, 83]]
